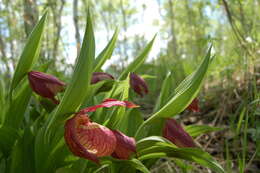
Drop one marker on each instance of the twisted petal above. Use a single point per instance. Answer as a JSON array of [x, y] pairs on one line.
[[87, 139], [109, 103], [125, 145], [194, 106], [176, 134], [138, 84]]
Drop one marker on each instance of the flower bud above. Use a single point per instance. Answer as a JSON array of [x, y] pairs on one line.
[[176, 134], [138, 84], [99, 76], [45, 85]]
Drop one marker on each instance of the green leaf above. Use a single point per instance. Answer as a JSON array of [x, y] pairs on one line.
[[17, 108], [131, 121], [49, 138], [50, 149], [184, 166], [125, 165], [149, 141], [119, 113], [138, 61], [22, 157], [240, 120], [94, 89], [101, 168], [196, 130], [65, 170], [83, 166], [78, 87], [2, 101], [8, 136], [191, 154], [186, 91], [42, 150], [184, 94], [138, 165], [165, 92], [106, 52], [30, 53]]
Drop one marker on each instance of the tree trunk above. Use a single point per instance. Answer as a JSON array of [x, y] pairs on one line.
[[76, 25], [57, 13], [30, 15]]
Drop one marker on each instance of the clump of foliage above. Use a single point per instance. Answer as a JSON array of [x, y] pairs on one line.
[[33, 128]]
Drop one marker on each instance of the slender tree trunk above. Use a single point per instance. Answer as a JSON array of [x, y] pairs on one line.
[[57, 14], [76, 25], [173, 44], [30, 15], [4, 57], [123, 12], [13, 32], [106, 23], [173, 47]]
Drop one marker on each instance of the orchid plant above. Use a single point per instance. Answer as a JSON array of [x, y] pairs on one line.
[[92, 125]]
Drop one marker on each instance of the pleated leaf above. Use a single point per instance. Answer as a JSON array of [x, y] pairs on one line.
[[196, 155]]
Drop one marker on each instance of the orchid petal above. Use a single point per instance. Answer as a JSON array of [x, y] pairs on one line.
[[125, 145], [109, 103]]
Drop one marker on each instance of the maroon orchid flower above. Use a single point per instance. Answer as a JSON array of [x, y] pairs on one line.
[[45, 85], [87, 139], [176, 134], [99, 76], [138, 84], [194, 106], [90, 140]]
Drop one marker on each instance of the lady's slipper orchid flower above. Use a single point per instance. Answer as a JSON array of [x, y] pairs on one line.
[[99, 76], [194, 106], [87, 139], [45, 85], [138, 84], [174, 132], [90, 140]]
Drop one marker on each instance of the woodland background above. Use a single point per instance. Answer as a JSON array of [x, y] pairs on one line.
[[230, 95]]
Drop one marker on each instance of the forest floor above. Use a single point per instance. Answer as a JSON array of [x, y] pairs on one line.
[[235, 149]]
